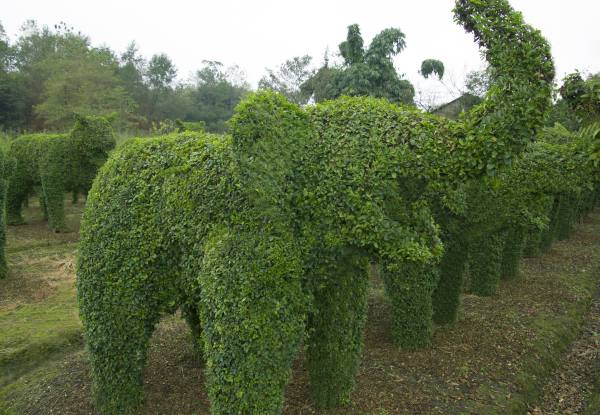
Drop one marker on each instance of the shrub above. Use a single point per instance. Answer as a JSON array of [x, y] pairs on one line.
[[267, 233], [59, 163], [4, 169]]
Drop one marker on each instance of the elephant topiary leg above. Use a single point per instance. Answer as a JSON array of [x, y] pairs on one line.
[[118, 349], [43, 206], [336, 329], [17, 194], [253, 311], [533, 241], [75, 197], [121, 296], [512, 252], [548, 235], [446, 297], [485, 258], [53, 192], [190, 314], [565, 217], [3, 265], [410, 286]]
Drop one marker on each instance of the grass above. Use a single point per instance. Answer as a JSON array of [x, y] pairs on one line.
[[495, 360]]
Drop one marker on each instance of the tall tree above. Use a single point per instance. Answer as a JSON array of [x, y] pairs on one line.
[[161, 72], [365, 71], [11, 102], [216, 92], [432, 66], [132, 67], [478, 82], [82, 80], [289, 77], [582, 96], [160, 75]]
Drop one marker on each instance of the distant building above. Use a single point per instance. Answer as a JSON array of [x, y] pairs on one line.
[[461, 104]]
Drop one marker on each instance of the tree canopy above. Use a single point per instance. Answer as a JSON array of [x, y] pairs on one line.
[[50, 74]]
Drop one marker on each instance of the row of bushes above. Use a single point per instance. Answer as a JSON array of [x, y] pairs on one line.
[[4, 169], [262, 238], [518, 212]]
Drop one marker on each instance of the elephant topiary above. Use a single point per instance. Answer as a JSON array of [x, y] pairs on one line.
[[4, 168], [529, 204], [58, 163], [262, 238]]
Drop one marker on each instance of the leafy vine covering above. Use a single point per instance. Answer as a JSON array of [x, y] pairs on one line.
[[262, 238], [58, 163], [4, 169]]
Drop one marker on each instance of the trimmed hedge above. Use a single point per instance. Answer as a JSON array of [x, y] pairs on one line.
[[495, 131], [446, 297], [58, 163], [267, 233], [4, 169]]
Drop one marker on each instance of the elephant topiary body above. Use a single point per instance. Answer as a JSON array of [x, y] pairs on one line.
[[57, 163], [262, 239]]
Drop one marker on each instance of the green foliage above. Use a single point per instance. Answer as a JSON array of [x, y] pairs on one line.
[[446, 296], [410, 289], [58, 163], [582, 96], [335, 328], [366, 71], [289, 78], [197, 126], [562, 113], [485, 261], [512, 252], [477, 83], [216, 92], [4, 170], [161, 72], [432, 66], [268, 232], [82, 81], [48, 74], [519, 97]]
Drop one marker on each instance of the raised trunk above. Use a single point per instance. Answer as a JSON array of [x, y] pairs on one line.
[[520, 94]]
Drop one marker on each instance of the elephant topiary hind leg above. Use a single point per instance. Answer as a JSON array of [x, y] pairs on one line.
[[336, 330], [410, 287], [446, 297], [53, 194]]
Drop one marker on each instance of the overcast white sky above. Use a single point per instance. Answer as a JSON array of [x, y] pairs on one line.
[[263, 33]]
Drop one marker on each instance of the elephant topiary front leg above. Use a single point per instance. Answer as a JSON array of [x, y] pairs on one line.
[[17, 194], [43, 206], [53, 191], [410, 286], [336, 329], [118, 324], [253, 311], [190, 314], [485, 262], [446, 296], [512, 252]]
